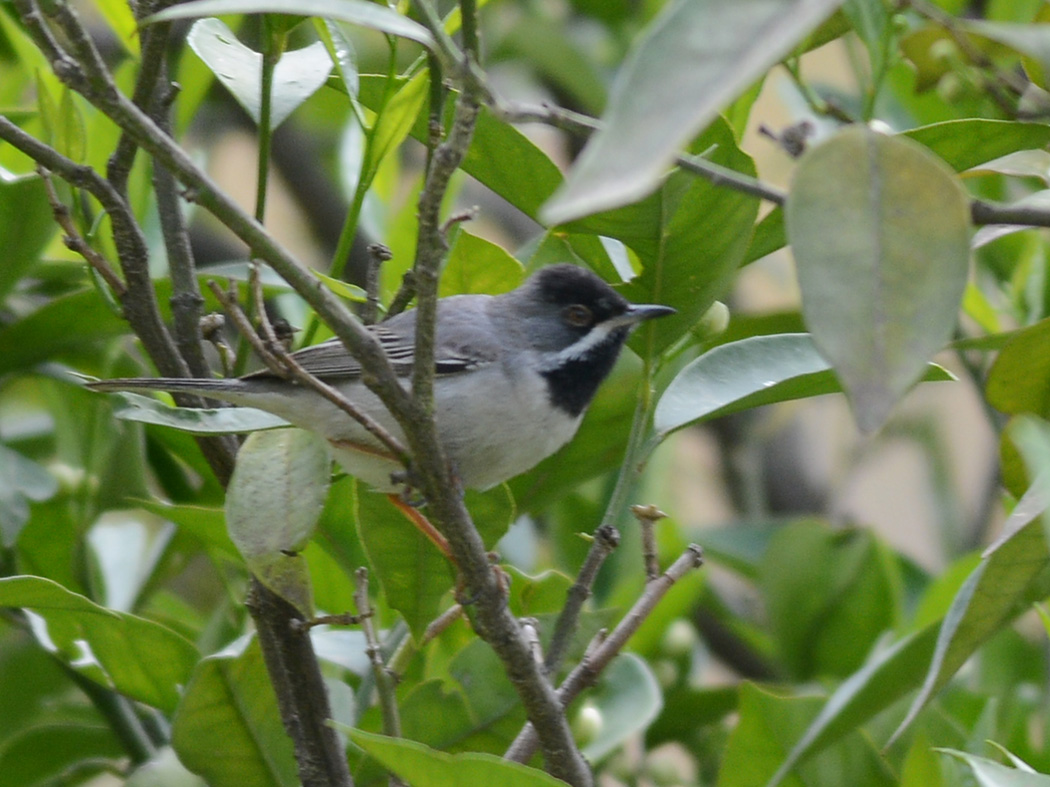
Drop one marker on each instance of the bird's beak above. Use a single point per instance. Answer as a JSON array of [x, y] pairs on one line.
[[640, 312]]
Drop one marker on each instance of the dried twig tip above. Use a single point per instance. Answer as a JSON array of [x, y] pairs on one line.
[[648, 513]]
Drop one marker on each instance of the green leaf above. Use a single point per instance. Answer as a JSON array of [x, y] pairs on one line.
[[493, 512], [747, 374], [491, 698], [65, 324], [273, 503], [539, 595], [687, 710], [1009, 577], [142, 659], [47, 753], [769, 236], [396, 120], [422, 766], [1019, 380], [922, 767], [1032, 438], [761, 739], [357, 12], [509, 163], [227, 728], [971, 141], [208, 525], [826, 618], [122, 22], [546, 44], [476, 265], [989, 773], [888, 675], [430, 700], [689, 236], [1029, 39], [870, 19], [71, 132], [21, 480], [881, 293], [412, 571], [691, 61], [26, 225], [629, 700], [297, 75], [1019, 164], [500, 157], [204, 421]]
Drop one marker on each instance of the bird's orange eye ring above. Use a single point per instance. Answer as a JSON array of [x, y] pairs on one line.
[[578, 315]]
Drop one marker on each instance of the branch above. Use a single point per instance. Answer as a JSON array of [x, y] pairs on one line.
[[279, 361], [75, 241], [647, 517], [384, 683], [982, 212], [606, 539], [601, 653], [301, 694]]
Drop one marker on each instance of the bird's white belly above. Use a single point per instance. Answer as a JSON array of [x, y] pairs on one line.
[[504, 431]]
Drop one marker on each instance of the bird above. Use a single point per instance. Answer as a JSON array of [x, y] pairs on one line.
[[514, 375]]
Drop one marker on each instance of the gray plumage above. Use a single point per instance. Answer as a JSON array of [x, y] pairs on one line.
[[514, 374]]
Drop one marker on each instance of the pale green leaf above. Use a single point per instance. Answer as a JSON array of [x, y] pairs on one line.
[[297, 75], [880, 294], [989, 773], [273, 503], [750, 373], [1009, 577], [693, 59], [357, 12], [21, 480]]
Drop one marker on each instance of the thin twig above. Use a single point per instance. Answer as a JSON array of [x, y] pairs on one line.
[[383, 681], [982, 212], [606, 539], [583, 124], [647, 517], [408, 647], [75, 241], [606, 647], [405, 295], [377, 255]]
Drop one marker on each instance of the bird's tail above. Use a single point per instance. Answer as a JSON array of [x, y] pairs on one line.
[[217, 388]]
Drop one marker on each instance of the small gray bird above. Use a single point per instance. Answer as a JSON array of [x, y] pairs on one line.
[[515, 374]]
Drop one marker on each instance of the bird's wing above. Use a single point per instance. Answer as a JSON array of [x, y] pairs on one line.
[[462, 344]]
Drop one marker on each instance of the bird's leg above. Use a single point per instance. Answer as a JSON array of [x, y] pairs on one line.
[[423, 525]]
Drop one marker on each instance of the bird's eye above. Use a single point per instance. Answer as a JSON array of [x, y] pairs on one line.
[[578, 315]]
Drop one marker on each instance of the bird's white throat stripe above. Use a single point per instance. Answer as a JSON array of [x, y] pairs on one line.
[[598, 335]]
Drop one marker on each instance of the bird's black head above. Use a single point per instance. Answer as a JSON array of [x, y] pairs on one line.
[[578, 324]]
